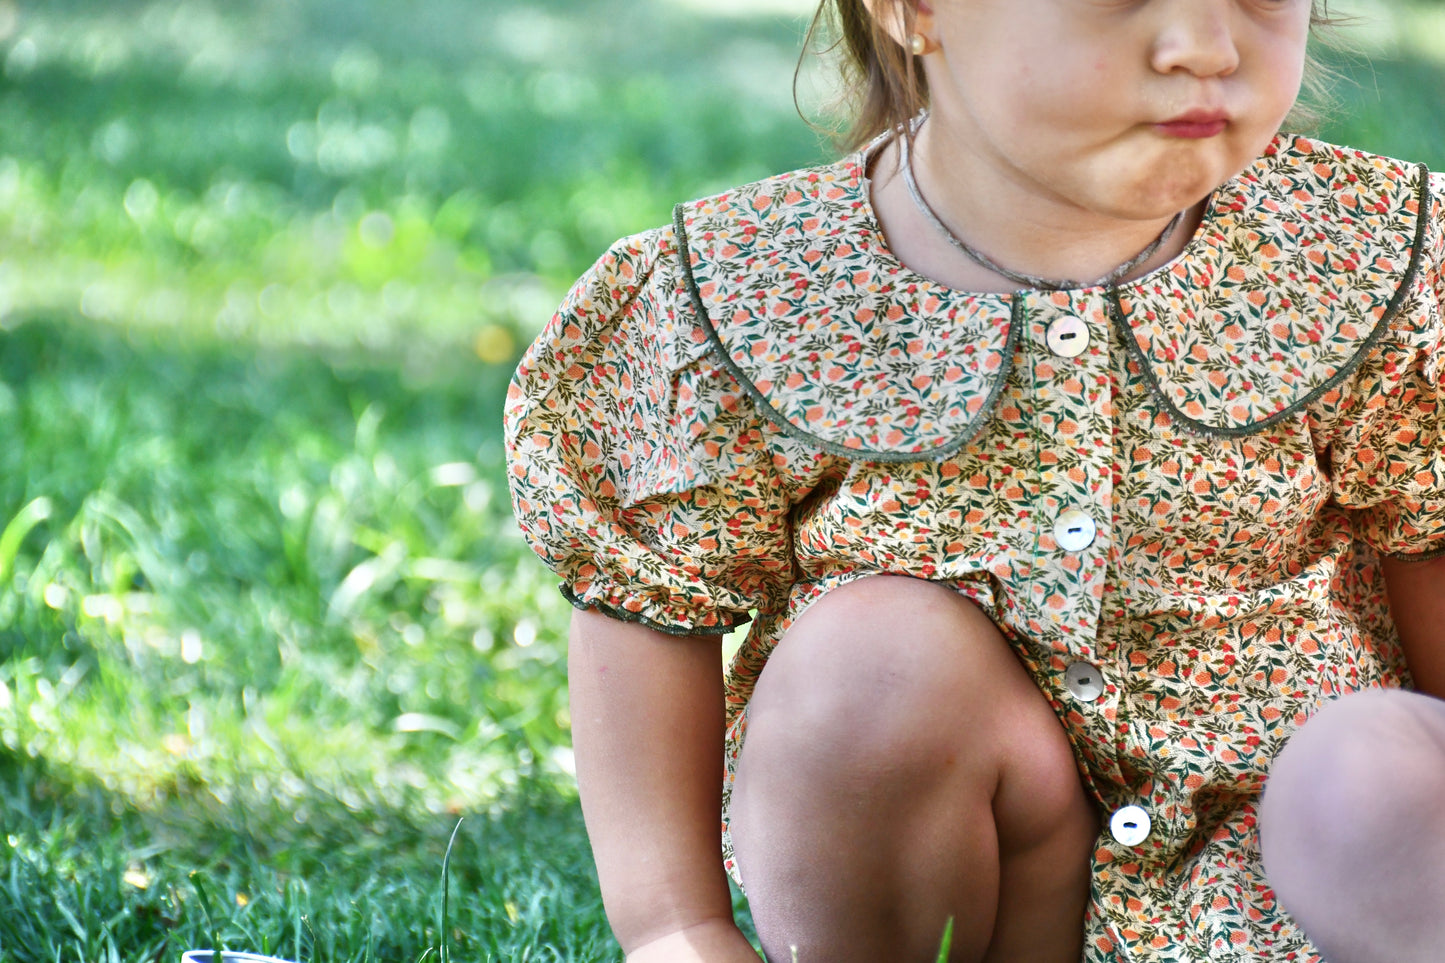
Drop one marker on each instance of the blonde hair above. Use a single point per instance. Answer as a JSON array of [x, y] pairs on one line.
[[883, 87]]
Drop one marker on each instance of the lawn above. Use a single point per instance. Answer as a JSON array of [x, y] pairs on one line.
[[267, 630]]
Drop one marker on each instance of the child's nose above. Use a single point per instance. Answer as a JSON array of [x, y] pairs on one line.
[[1196, 36]]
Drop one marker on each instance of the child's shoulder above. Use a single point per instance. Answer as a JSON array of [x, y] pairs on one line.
[[1297, 155], [799, 229], [1366, 199], [825, 199], [1363, 201], [1312, 170], [783, 203], [1328, 222]]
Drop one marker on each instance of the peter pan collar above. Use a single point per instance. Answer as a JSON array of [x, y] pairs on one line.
[[1301, 264], [1294, 274]]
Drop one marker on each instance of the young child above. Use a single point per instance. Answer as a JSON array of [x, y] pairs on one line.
[[1062, 445]]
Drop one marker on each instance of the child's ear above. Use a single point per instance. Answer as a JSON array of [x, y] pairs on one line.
[[903, 21]]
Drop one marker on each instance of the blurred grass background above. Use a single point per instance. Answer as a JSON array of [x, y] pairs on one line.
[[266, 627]]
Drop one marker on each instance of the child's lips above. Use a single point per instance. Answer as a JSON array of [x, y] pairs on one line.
[[1195, 125]]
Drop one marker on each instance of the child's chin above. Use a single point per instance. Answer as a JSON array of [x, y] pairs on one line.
[[1181, 181]]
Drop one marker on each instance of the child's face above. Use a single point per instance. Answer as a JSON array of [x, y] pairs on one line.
[[1073, 98]]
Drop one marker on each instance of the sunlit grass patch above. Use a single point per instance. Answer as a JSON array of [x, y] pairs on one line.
[[305, 571], [269, 620], [343, 175]]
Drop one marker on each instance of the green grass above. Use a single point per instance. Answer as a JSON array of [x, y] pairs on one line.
[[364, 173], [274, 628], [320, 552], [265, 622], [266, 626], [91, 885]]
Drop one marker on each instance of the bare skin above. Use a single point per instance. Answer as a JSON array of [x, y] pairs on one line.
[[950, 790], [1352, 831], [1351, 828], [1417, 601], [647, 727], [901, 768], [1060, 107]]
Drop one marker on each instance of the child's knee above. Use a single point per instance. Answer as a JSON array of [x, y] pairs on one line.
[[1368, 741], [903, 680], [878, 671], [1365, 769]]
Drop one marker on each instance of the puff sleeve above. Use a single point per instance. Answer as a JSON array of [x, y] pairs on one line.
[[1388, 464], [639, 473]]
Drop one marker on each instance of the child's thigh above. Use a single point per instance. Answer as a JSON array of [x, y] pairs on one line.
[[895, 678], [899, 768]]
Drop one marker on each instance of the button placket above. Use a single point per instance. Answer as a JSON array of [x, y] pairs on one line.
[[1061, 326], [1072, 404]]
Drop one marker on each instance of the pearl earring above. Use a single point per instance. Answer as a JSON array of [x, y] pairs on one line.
[[918, 43]]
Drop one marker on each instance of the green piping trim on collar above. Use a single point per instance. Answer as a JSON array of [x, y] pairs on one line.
[[760, 400], [622, 615], [1377, 334]]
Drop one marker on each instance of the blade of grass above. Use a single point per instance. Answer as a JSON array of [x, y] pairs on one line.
[[70, 919], [293, 891], [205, 899], [446, 953], [947, 946], [26, 519]]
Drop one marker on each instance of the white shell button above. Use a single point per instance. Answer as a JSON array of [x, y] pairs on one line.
[[1084, 682], [1068, 337], [1074, 531], [1130, 826]]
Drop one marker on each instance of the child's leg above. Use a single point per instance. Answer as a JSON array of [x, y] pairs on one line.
[[1352, 828], [900, 767]]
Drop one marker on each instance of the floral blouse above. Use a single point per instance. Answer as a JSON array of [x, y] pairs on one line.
[[1170, 495]]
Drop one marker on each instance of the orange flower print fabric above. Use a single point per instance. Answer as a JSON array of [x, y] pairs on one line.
[[1170, 496]]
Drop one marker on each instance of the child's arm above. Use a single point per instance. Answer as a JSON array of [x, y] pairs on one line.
[[1417, 601], [647, 728]]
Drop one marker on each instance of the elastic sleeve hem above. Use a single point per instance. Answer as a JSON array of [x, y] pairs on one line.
[[721, 626], [1438, 551]]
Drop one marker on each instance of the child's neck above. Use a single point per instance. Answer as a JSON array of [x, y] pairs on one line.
[[1016, 225]]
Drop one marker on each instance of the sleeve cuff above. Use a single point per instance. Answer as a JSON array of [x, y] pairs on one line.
[[721, 626], [1437, 550]]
